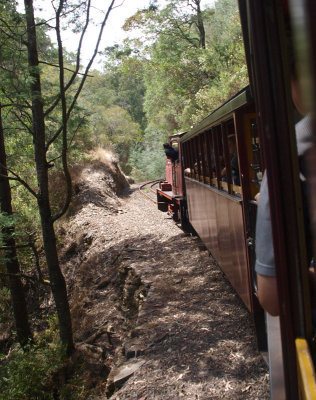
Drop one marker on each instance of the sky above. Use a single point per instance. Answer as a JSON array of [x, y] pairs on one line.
[[112, 32]]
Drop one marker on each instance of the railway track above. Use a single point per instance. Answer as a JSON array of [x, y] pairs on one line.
[[148, 189]]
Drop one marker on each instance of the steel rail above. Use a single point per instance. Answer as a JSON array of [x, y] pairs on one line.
[[142, 187]]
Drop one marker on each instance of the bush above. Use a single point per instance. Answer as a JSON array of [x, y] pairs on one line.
[[40, 371], [30, 374]]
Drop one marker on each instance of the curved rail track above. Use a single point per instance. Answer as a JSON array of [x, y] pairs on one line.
[[147, 189]]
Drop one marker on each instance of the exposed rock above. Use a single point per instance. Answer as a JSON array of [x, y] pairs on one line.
[[125, 371], [120, 374]]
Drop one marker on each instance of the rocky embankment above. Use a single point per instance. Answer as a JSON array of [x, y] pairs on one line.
[[154, 317]]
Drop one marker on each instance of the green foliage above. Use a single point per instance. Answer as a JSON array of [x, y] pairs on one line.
[[114, 127], [185, 80], [165, 82], [226, 56], [7, 220], [15, 102], [120, 84], [114, 101], [29, 374], [147, 159], [10, 222], [39, 372], [167, 75]]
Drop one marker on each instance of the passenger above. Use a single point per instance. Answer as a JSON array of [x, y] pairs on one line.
[[232, 150], [234, 160], [171, 152], [265, 266]]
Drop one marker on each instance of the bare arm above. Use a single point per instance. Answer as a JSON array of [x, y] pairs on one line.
[[268, 294]]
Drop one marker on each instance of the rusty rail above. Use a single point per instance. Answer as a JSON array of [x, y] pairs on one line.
[[142, 188]]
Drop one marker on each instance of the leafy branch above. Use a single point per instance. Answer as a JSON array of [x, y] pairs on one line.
[[16, 177]]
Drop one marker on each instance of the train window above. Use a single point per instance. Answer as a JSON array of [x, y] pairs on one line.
[[200, 158], [217, 156], [226, 158], [221, 159], [189, 165], [204, 158], [186, 158], [197, 167], [225, 176], [194, 166], [210, 159]]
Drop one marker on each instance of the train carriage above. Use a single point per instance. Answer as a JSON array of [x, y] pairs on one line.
[[219, 192]]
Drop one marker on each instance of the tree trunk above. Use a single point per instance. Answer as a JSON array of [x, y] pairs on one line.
[[12, 263], [57, 280], [200, 24]]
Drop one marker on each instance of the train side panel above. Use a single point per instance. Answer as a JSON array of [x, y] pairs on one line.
[[218, 220]]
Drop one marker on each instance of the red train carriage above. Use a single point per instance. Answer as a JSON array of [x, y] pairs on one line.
[[221, 180]]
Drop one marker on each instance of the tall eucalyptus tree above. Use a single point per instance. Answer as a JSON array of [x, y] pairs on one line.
[[40, 113]]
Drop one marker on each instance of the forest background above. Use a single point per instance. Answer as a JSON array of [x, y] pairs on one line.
[[185, 63]]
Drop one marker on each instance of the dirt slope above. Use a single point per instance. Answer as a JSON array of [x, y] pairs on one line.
[[154, 317]]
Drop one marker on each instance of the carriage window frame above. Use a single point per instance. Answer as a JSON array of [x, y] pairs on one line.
[[218, 142], [207, 158], [211, 158], [196, 166], [214, 132], [229, 133], [199, 158], [193, 159], [208, 153], [225, 184]]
